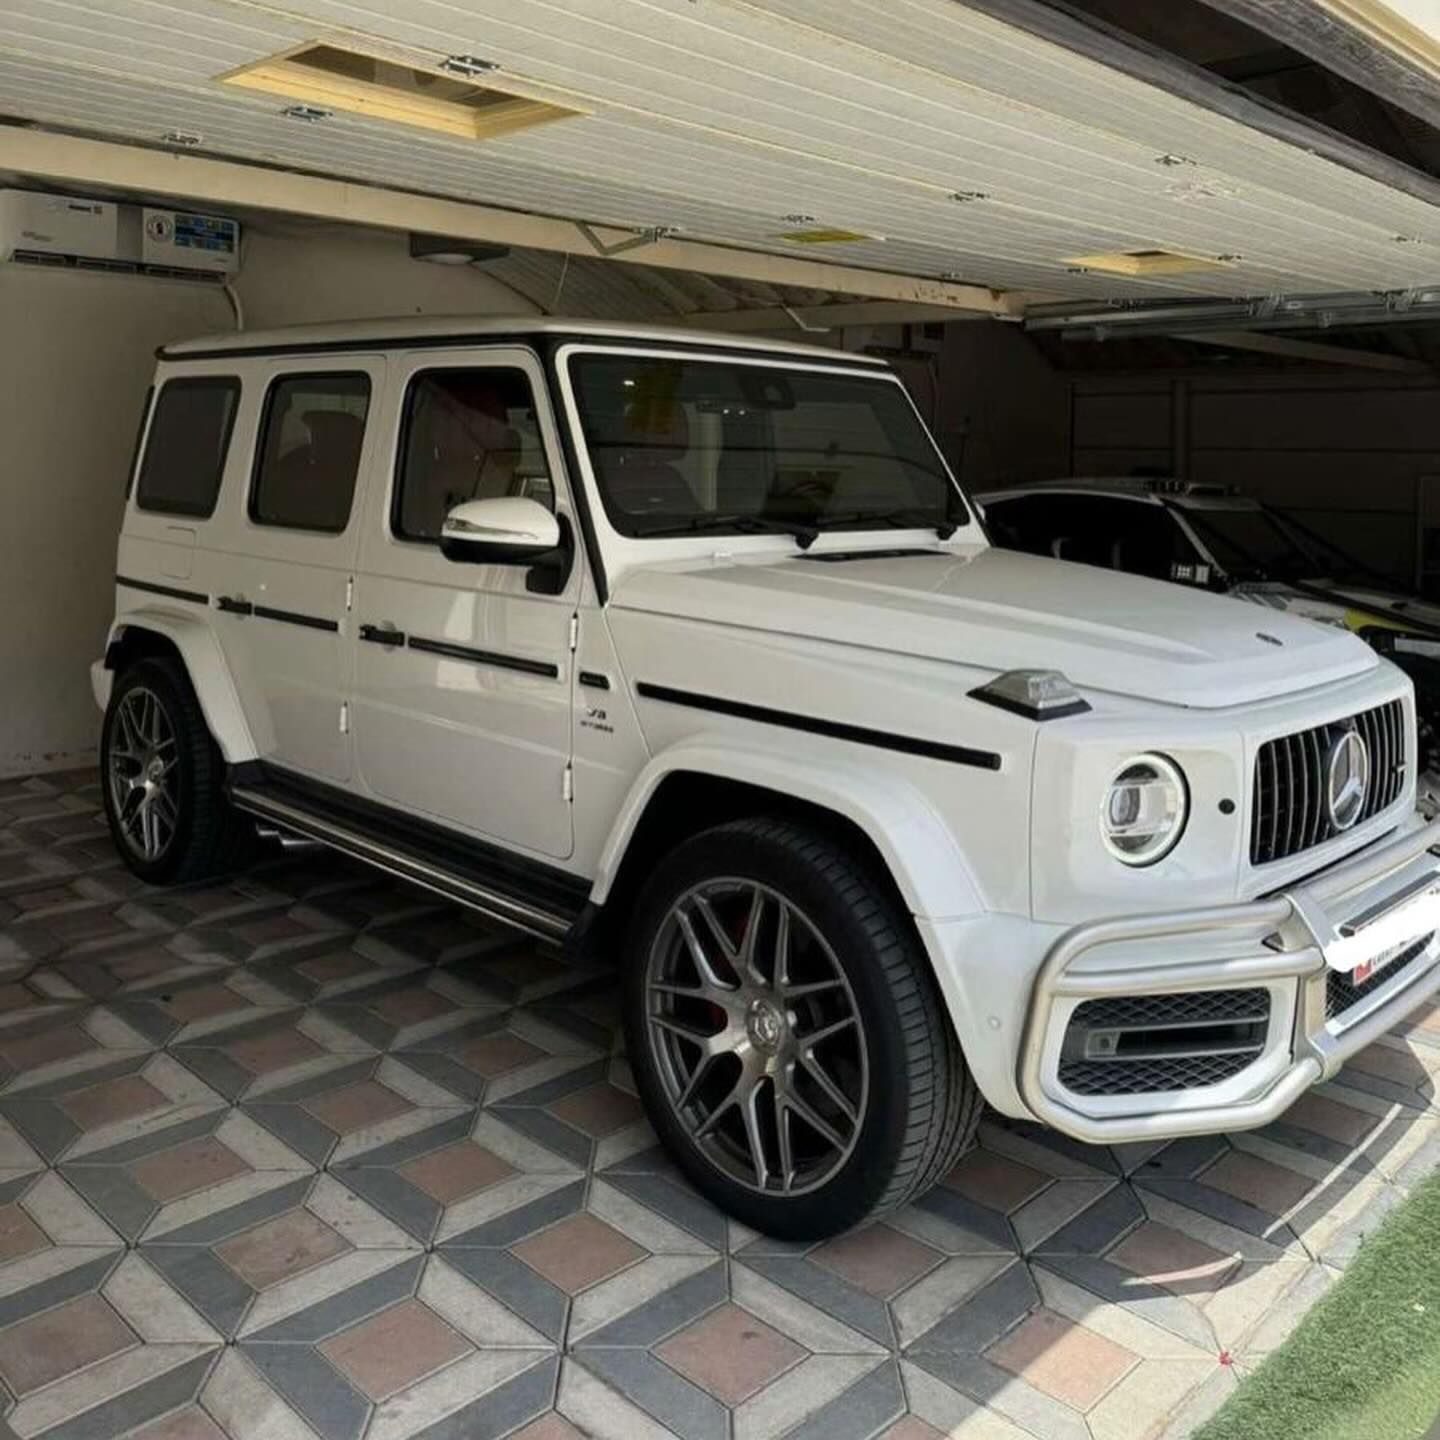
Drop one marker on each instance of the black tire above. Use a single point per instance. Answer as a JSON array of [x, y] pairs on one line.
[[923, 1112], [209, 836]]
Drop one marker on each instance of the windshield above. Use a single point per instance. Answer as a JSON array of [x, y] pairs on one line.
[[1259, 544], [736, 447]]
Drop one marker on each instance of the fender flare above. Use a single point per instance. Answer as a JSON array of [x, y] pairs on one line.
[[917, 847], [210, 676]]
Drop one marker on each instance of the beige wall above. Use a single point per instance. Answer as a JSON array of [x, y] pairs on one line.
[[76, 354], [294, 276]]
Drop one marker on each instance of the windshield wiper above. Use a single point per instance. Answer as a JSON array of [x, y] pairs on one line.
[[901, 518], [739, 524]]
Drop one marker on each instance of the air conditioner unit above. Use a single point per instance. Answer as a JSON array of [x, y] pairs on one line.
[[70, 231], [57, 228], [183, 240]]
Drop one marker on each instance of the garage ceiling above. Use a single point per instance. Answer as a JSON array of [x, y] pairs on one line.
[[966, 147]]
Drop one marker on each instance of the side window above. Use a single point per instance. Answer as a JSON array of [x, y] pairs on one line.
[[1150, 543], [185, 454], [1021, 523], [468, 435], [309, 451], [1085, 528]]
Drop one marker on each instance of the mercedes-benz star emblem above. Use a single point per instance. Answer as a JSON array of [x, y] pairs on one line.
[[1347, 778]]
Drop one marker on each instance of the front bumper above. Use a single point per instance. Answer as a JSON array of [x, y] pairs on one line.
[[1382, 901]]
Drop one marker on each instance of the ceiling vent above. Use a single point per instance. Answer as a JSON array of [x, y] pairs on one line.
[[329, 77], [1143, 262]]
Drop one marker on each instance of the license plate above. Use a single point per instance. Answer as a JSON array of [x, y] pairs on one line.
[[1363, 971]]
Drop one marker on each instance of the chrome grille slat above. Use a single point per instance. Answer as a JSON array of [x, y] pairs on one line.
[[1396, 756], [1300, 808], [1289, 813], [1317, 820]]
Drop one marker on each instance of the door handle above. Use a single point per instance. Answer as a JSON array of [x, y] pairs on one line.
[[382, 634], [234, 605]]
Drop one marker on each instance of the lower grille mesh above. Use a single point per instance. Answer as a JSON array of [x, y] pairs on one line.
[[1145, 1044], [1147, 1077]]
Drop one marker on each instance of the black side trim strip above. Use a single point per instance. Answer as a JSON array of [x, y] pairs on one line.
[[594, 680], [486, 657], [382, 635], [813, 725], [233, 605], [173, 591], [292, 617]]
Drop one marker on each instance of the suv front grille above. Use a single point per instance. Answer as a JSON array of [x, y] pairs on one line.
[[1290, 813], [1341, 993], [1144, 1044]]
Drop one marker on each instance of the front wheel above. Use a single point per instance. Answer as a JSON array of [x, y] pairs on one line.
[[786, 1034], [164, 779]]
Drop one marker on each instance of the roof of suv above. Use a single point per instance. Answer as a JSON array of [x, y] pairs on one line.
[[438, 329], [1184, 493]]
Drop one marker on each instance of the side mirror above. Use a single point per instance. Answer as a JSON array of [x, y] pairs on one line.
[[505, 530]]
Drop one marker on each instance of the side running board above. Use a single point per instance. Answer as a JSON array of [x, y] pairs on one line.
[[538, 899]]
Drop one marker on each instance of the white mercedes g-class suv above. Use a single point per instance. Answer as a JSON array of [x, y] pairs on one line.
[[689, 648]]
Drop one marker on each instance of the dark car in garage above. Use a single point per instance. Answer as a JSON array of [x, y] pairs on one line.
[[1214, 539]]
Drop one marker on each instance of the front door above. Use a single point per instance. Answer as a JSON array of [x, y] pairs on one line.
[[462, 686], [284, 578]]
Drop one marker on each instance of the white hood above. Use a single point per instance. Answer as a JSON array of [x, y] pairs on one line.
[[1002, 610]]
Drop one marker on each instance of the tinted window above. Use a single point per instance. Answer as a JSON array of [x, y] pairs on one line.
[[185, 456], [309, 452], [1024, 523], [1129, 535], [469, 435], [727, 445]]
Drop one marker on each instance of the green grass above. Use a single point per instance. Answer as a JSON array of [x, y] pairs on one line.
[[1364, 1364]]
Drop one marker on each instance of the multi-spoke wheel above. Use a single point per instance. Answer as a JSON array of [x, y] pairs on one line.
[[163, 778], [756, 1036], [786, 1034], [142, 776]]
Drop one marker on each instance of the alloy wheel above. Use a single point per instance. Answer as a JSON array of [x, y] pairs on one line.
[[142, 774], [756, 1036]]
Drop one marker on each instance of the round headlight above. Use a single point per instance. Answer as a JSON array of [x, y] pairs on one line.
[[1144, 811]]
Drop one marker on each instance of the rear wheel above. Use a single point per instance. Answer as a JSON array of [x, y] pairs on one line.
[[786, 1034], [163, 779]]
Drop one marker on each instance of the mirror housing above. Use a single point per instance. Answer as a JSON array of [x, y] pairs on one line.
[[504, 530]]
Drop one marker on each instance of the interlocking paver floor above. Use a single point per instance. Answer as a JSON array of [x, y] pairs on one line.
[[304, 1153]]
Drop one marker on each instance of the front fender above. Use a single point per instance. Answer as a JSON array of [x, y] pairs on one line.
[[919, 849], [204, 661]]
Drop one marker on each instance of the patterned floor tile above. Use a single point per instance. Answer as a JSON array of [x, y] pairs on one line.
[[306, 1153]]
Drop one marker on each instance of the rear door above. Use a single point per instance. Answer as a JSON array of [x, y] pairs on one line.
[[463, 672], [283, 590]]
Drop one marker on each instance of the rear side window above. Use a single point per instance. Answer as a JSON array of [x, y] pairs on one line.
[[469, 435], [309, 451], [185, 455]]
